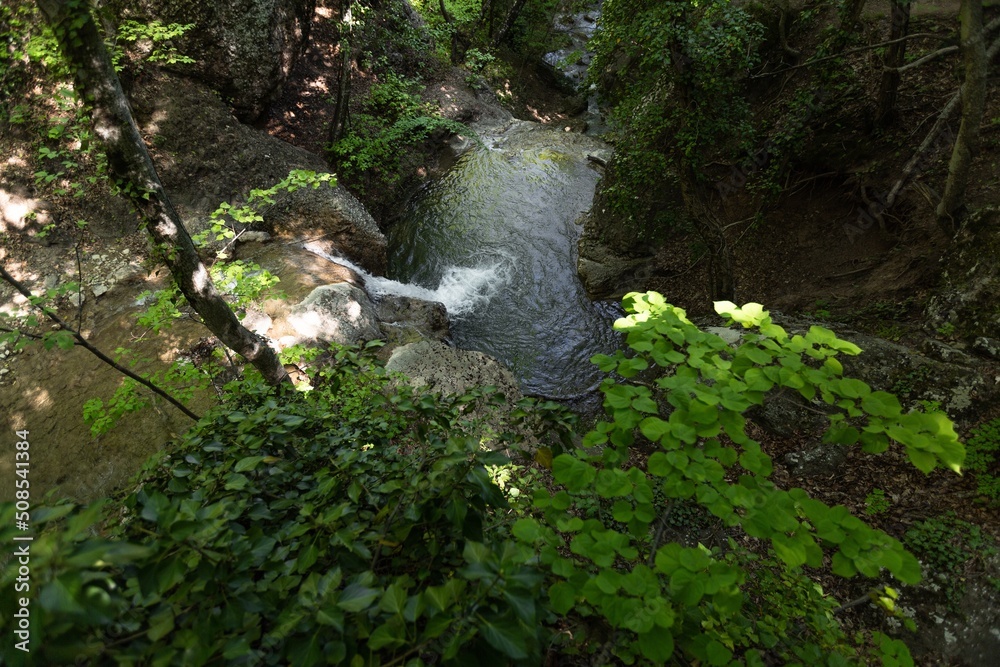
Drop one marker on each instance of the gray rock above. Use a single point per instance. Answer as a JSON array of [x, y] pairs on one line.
[[408, 319], [215, 160], [447, 370], [256, 321], [606, 274], [98, 290], [987, 346], [935, 349], [818, 460], [243, 49], [339, 313], [254, 237]]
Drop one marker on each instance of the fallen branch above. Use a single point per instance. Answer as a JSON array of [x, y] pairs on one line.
[[936, 130], [930, 56], [988, 28], [916, 35], [83, 342]]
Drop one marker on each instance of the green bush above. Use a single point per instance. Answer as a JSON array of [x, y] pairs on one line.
[[361, 523], [983, 459], [394, 117]]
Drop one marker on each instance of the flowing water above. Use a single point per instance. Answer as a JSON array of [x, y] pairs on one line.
[[495, 240]]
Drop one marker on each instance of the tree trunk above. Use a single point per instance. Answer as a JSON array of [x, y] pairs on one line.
[[711, 230], [949, 211], [889, 87], [508, 22], [129, 161], [341, 106]]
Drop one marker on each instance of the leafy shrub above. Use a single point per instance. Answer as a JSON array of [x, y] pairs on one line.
[[340, 524], [394, 117], [360, 523], [947, 545], [983, 455], [663, 599]]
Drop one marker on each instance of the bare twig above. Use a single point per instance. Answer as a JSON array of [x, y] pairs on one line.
[[83, 342]]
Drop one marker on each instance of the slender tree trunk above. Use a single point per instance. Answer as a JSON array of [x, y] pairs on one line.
[[711, 230], [889, 86], [508, 22], [129, 161], [949, 211], [341, 107]]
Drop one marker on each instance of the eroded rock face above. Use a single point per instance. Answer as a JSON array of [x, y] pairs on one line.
[[243, 49], [616, 250], [205, 157], [967, 302]]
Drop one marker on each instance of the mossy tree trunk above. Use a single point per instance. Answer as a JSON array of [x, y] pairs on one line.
[[130, 163], [950, 209]]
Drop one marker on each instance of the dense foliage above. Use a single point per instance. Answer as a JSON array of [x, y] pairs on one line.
[[673, 72], [360, 522]]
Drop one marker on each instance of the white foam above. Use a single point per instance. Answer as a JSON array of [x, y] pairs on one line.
[[462, 289]]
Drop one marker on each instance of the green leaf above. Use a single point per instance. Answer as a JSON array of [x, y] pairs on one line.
[[575, 474], [718, 654], [355, 598], [881, 404], [526, 529], [247, 463], [562, 596], [654, 428], [657, 646], [789, 550], [506, 636]]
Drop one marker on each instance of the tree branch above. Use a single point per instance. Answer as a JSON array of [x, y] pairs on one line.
[[859, 49], [83, 342], [932, 136]]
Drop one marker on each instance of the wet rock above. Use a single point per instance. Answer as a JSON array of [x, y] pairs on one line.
[[606, 274], [447, 370], [340, 313], [406, 319]]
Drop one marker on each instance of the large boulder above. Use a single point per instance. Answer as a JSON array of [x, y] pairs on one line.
[[435, 366], [243, 49], [205, 157], [339, 313]]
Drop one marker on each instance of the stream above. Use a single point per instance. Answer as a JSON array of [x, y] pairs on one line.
[[494, 239]]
